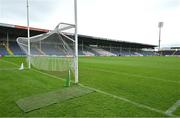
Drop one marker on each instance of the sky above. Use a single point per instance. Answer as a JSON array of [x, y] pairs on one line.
[[127, 20]]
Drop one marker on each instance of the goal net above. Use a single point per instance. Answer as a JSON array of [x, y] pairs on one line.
[[52, 51]]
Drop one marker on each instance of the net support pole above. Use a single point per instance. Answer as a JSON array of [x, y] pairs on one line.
[[28, 33], [76, 42]]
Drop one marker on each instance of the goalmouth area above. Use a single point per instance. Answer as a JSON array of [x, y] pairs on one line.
[[124, 86]]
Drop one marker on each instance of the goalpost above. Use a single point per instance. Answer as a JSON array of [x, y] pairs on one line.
[[76, 42], [56, 50]]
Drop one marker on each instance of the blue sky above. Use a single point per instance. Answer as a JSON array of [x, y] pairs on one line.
[[128, 20]]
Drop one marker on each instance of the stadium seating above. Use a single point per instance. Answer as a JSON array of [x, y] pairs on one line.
[[86, 51], [177, 53], [16, 49], [3, 50], [167, 52], [102, 52], [50, 49], [147, 53]]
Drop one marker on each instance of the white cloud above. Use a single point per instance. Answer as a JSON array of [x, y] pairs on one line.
[[129, 20]]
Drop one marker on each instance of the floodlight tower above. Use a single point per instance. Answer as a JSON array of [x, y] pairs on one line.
[[28, 34], [76, 42], [160, 25]]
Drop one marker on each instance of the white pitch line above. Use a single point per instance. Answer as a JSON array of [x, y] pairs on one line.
[[9, 62], [127, 100], [36, 71], [48, 74], [8, 69], [173, 108], [135, 75], [111, 95]]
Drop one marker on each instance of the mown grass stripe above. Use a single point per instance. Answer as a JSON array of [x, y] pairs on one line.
[[108, 94], [136, 75], [117, 97], [129, 101]]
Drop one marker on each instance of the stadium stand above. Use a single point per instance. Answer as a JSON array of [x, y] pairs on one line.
[[16, 49], [3, 50], [170, 52], [88, 45], [102, 52], [177, 53], [167, 52], [80, 52], [87, 53]]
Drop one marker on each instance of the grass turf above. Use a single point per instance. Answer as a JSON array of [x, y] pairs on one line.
[[150, 81]]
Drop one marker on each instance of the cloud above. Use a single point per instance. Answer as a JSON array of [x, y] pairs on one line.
[[169, 4], [129, 20]]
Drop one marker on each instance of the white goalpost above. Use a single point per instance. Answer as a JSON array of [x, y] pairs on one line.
[[56, 50], [76, 42], [28, 34]]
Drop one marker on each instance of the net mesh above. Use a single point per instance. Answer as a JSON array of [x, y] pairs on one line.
[[51, 51]]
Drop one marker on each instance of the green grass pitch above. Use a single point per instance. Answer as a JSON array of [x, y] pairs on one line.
[[125, 86]]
